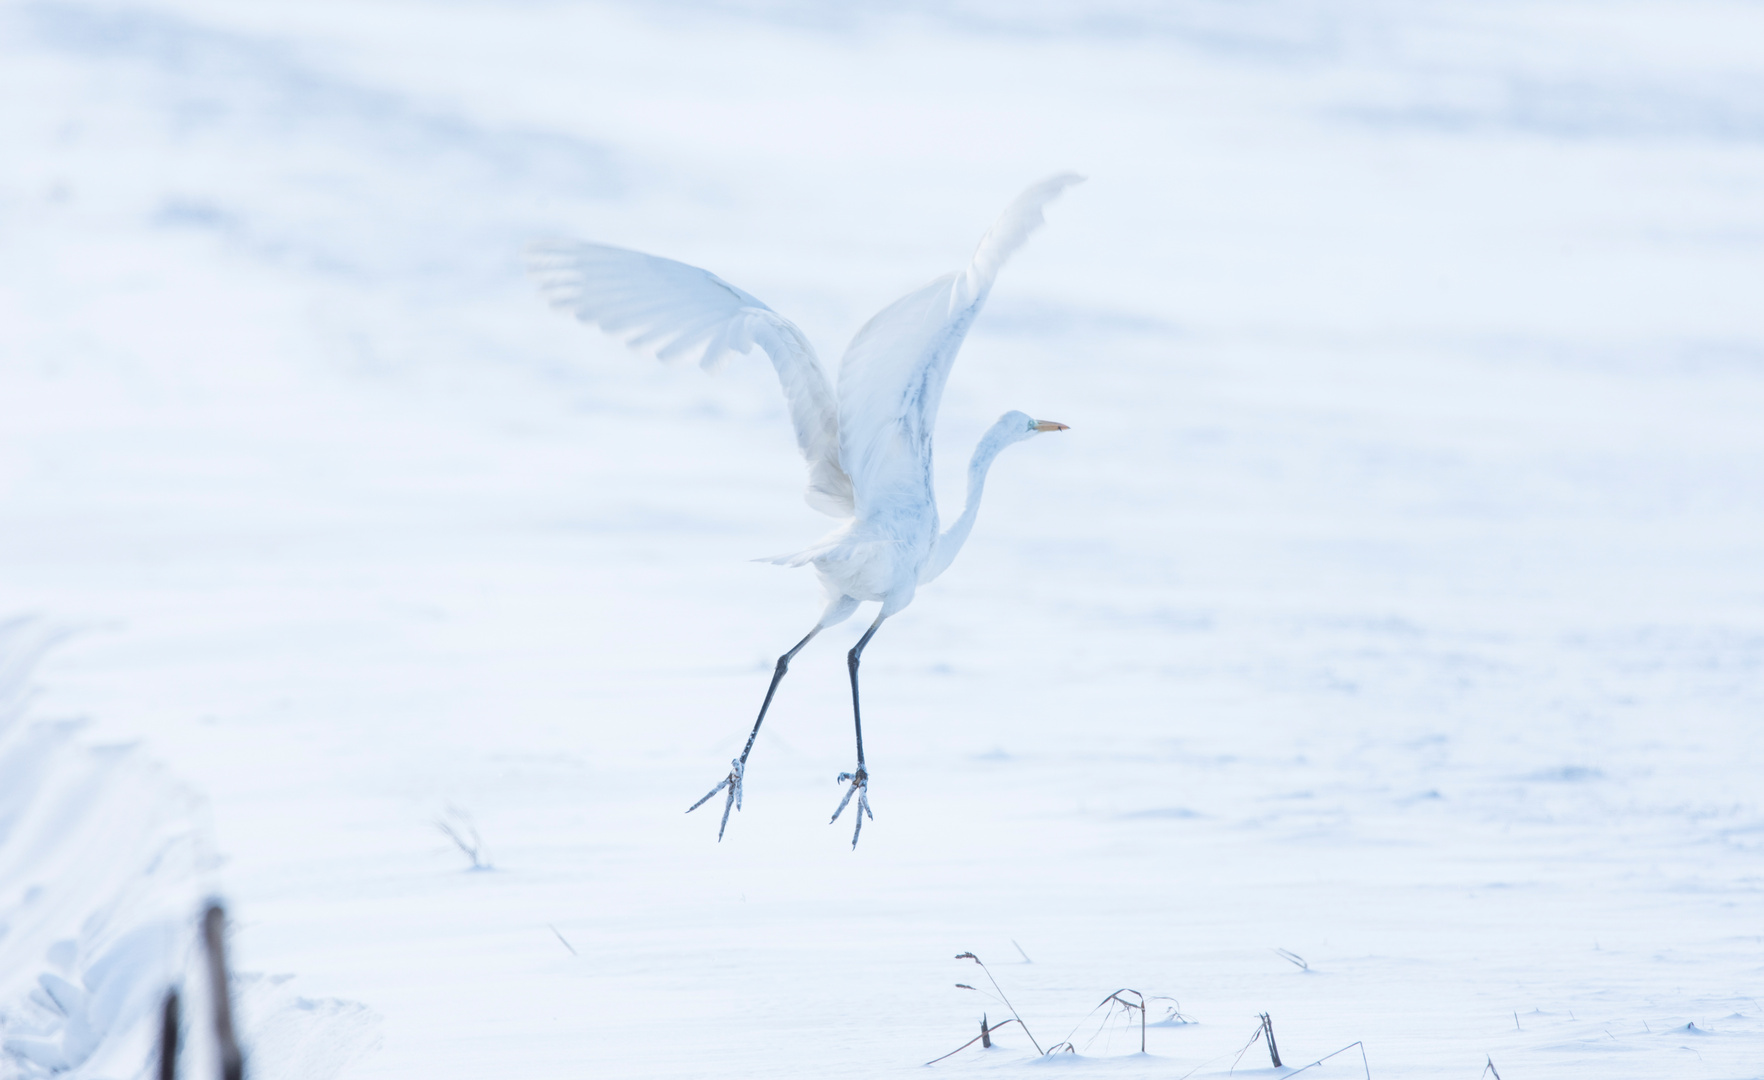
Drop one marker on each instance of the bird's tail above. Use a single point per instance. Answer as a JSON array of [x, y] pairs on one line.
[[821, 547], [838, 547], [797, 558]]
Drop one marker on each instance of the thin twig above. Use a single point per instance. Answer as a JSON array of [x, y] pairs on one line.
[[1343, 1050], [1245, 1050], [1295, 958], [566, 941], [1175, 1008], [978, 990], [465, 837], [1221, 1057], [1001, 997], [1125, 1005], [993, 1030]]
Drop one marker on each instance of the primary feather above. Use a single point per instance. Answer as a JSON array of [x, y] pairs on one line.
[[891, 379], [670, 309]]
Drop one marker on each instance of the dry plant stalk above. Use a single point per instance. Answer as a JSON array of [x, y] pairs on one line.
[[1174, 1014], [1001, 997], [988, 1030], [1125, 1004], [464, 835], [168, 1036], [1110, 1001], [214, 924], [1268, 1032], [1364, 1064], [984, 1038]]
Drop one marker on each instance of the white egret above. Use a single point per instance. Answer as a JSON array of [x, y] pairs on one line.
[[868, 445]]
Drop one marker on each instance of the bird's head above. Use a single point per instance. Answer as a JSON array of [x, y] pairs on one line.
[[1019, 426]]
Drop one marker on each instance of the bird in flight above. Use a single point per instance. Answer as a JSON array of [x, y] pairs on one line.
[[867, 439]]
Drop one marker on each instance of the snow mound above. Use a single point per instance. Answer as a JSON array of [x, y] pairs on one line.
[[105, 863]]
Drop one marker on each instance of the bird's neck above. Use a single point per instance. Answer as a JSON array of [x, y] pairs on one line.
[[994, 441]]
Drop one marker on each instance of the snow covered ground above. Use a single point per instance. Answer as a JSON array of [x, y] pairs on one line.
[[1396, 599]]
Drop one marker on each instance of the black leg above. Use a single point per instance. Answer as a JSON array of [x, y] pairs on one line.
[[851, 663], [860, 780], [738, 767], [777, 677]]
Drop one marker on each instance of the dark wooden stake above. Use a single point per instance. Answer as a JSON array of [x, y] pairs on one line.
[[214, 925], [168, 1037], [985, 1035]]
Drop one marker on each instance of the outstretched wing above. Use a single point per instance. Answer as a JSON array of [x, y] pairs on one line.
[[670, 309], [891, 380]]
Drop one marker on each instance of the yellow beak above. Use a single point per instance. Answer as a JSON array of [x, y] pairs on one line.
[[1049, 425]]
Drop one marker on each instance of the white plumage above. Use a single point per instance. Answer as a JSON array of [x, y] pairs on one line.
[[868, 447]]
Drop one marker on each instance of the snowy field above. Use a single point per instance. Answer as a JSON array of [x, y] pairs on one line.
[[1395, 599]]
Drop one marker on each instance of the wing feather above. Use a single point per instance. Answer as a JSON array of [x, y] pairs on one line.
[[891, 379], [670, 310]]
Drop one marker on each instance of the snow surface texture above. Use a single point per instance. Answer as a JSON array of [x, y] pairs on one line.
[[104, 863], [1395, 598]]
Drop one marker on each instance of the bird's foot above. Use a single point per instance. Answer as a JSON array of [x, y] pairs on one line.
[[860, 786], [733, 783]]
